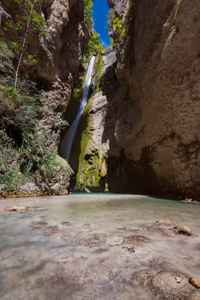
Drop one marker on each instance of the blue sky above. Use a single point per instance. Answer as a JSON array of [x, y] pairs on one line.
[[100, 21]]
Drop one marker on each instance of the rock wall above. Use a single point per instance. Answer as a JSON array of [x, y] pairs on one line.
[[150, 101], [59, 53], [158, 117], [95, 143]]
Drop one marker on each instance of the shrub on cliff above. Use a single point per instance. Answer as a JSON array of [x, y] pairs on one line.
[[94, 46], [27, 128], [26, 22]]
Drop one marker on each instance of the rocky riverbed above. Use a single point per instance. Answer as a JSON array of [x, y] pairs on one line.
[[99, 246]]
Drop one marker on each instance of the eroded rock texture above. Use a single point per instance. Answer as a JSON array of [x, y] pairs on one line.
[[150, 119], [59, 53], [98, 138], [158, 115]]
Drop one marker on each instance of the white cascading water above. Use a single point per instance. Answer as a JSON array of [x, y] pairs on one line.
[[67, 142]]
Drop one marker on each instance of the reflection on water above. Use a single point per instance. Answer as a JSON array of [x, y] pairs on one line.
[[74, 249]]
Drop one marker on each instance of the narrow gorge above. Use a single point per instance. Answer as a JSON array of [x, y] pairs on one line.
[[142, 131], [99, 150], [143, 123]]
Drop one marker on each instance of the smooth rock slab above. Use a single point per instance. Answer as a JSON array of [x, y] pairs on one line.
[[172, 285], [184, 230], [16, 208], [168, 228]]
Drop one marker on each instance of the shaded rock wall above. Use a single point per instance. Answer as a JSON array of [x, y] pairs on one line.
[[157, 119]]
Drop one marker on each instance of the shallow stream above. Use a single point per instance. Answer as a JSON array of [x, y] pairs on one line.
[[95, 246]]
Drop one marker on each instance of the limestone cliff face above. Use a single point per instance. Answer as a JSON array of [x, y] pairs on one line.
[[60, 52], [97, 136], [157, 121], [58, 55], [148, 109]]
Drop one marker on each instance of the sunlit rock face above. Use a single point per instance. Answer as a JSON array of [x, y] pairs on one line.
[[58, 56], [59, 53], [157, 119], [98, 138]]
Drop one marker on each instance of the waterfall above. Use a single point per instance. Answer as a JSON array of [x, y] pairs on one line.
[[67, 142]]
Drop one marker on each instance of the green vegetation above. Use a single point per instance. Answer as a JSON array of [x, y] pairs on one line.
[[120, 29], [178, 3], [88, 173], [88, 11], [172, 20], [174, 13], [94, 46], [22, 27], [170, 37], [27, 125], [31, 162], [92, 170], [27, 155], [10, 92], [99, 68]]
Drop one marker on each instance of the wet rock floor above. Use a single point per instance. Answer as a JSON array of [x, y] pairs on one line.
[[101, 248]]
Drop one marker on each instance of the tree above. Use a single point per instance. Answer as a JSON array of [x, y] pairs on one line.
[[3, 12], [27, 21], [94, 46]]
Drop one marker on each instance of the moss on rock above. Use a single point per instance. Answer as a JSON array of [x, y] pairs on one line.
[[92, 162]]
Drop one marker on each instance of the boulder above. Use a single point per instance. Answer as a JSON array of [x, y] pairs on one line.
[[171, 285]]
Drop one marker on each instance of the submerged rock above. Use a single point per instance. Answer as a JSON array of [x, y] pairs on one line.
[[87, 227], [51, 230], [184, 230], [129, 247], [161, 264], [168, 228], [195, 296], [114, 240], [194, 282], [142, 277], [15, 208], [12, 258], [38, 225], [136, 240], [164, 222], [131, 242], [66, 223], [87, 239], [171, 285], [190, 201]]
